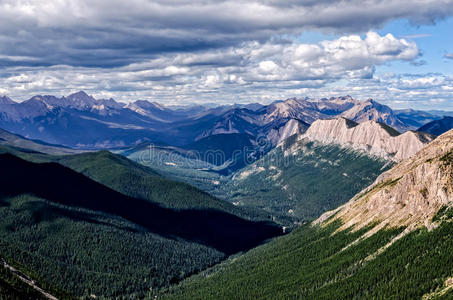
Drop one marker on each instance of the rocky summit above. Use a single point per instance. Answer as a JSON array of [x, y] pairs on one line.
[[409, 195], [372, 137]]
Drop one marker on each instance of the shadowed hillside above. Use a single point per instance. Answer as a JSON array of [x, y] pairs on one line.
[[75, 235], [58, 184], [394, 239]]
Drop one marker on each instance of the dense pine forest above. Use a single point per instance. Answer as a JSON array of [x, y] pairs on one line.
[[13, 288], [311, 263], [293, 183], [300, 180], [226, 150], [74, 235]]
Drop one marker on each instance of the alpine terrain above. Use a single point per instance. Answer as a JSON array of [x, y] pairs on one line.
[[253, 149], [392, 238]]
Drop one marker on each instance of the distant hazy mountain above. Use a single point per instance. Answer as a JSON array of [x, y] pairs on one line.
[[158, 112], [251, 106], [21, 143], [6, 100], [370, 110], [415, 118], [438, 127], [441, 113], [80, 121], [234, 120], [270, 121], [77, 121]]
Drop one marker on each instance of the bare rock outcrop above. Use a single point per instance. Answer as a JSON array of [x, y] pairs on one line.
[[408, 195], [375, 138], [371, 110], [292, 127]]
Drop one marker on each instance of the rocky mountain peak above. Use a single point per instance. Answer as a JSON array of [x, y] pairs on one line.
[[79, 95], [341, 98], [290, 128], [111, 103], [37, 104], [80, 100], [143, 106], [6, 100], [372, 137], [374, 111], [410, 194], [301, 109], [36, 98]]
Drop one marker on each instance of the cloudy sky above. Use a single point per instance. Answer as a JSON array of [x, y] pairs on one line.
[[199, 51]]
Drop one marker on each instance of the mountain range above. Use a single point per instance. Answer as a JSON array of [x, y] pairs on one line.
[[437, 127], [72, 221], [392, 238], [80, 121], [319, 169], [375, 138], [192, 202], [227, 140]]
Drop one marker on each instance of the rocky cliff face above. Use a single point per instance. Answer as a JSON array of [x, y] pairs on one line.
[[308, 110], [375, 138], [409, 195], [371, 110], [292, 127], [292, 108], [335, 106]]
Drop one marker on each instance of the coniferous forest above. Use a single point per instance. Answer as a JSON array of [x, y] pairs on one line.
[[226, 150]]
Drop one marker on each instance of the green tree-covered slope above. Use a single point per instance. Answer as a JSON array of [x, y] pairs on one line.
[[122, 238], [135, 180], [311, 263], [13, 288], [294, 187], [301, 180], [393, 241]]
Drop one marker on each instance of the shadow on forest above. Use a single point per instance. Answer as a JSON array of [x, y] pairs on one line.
[[47, 212], [56, 183]]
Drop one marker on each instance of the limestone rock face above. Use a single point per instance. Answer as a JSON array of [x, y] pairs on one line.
[[410, 194], [294, 109], [371, 110], [375, 138], [292, 127]]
